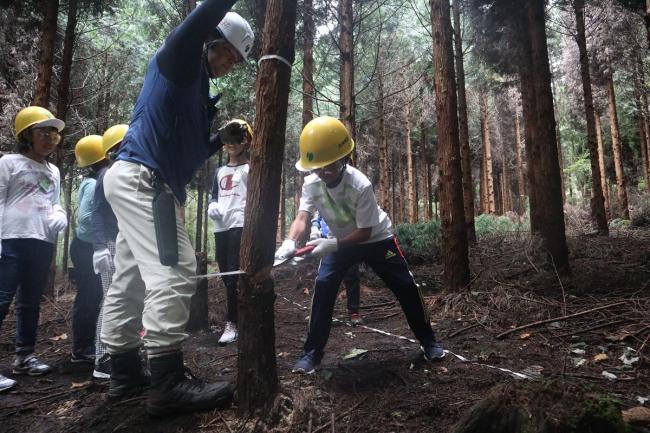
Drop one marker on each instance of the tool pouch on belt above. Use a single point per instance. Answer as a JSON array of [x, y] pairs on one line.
[[164, 220]]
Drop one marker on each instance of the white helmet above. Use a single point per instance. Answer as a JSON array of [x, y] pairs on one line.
[[237, 32]]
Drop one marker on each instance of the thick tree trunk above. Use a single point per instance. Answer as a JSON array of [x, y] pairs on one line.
[[601, 162], [598, 213], [424, 168], [199, 303], [46, 54], [521, 186], [547, 214], [463, 130], [487, 148], [257, 380], [454, 235], [346, 86], [308, 62], [621, 193]]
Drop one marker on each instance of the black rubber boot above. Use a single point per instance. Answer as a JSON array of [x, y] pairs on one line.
[[127, 375], [172, 392]]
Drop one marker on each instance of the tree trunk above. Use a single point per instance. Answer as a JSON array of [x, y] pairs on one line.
[[598, 213], [506, 195], [465, 153], [384, 168], [308, 62], [206, 188], [424, 168], [283, 206], [547, 213], [430, 200], [453, 228], [642, 117], [521, 186], [346, 86], [601, 162], [621, 193], [66, 63], [487, 147], [257, 380], [412, 205], [46, 54]]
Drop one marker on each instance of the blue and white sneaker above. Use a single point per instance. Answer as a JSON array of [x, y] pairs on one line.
[[30, 365], [307, 363], [6, 383], [433, 351]]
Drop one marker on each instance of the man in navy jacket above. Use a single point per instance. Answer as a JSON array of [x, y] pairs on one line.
[[167, 141]]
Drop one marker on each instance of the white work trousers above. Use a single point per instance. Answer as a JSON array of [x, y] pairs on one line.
[[144, 293]]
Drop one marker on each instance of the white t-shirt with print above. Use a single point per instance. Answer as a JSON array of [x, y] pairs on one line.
[[348, 206], [232, 181], [28, 190]]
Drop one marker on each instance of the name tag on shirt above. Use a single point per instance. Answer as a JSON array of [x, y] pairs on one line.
[[45, 183]]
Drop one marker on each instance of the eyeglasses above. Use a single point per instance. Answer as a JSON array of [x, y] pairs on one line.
[[54, 136]]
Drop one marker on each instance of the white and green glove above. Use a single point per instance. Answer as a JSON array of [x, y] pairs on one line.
[[323, 246]]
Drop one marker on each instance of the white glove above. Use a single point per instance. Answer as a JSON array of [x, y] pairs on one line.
[[213, 211], [287, 249], [314, 234], [324, 246], [57, 221], [102, 261]]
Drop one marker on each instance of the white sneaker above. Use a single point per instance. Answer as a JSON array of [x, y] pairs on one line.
[[229, 334], [6, 383]]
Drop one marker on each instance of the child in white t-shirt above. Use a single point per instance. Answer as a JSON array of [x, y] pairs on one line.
[[361, 231], [30, 218], [227, 212]]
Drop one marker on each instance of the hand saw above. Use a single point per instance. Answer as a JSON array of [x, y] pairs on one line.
[[277, 262]]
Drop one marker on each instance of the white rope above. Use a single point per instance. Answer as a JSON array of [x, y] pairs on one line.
[[461, 358], [274, 57]]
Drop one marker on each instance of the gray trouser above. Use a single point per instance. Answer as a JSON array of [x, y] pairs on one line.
[[144, 293]]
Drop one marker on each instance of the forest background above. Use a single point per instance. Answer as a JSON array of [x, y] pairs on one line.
[[85, 60]]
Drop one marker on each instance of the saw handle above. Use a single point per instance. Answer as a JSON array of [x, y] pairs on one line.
[[304, 250]]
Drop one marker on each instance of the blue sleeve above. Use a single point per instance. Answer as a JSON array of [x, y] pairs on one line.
[[86, 193], [179, 58], [215, 187]]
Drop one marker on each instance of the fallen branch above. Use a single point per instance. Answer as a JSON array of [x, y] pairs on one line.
[[463, 329], [592, 328], [557, 319], [327, 424]]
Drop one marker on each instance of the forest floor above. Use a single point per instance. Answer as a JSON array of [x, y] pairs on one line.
[[387, 386]]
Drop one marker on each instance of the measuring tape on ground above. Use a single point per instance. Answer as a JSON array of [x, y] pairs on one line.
[[515, 374]]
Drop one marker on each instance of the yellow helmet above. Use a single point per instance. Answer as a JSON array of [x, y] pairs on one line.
[[113, 136], [323, 141], [89, 150], [36, 116]]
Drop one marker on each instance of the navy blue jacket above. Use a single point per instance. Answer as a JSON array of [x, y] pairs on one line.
[[104, 223], [169, 129]]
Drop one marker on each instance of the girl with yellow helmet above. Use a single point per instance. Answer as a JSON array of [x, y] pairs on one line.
[[362, 232], [30, 218], [90, 155]]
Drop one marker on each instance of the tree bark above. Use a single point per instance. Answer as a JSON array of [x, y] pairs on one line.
[[257, 380], [199, 303], [384, 169], [424, 167], [546, 204], [487, 147], [308, 62], [601, 162], [598, 213], [346, 87], [410, 171], [454, 235], [198, 233], [463, 130], [46, 54], [521, 186], [621, 193]]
